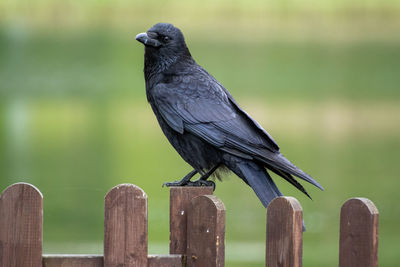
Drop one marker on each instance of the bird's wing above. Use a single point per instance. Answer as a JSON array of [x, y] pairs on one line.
[[201, 106]]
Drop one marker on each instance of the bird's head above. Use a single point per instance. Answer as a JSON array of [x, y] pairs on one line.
[[164, 41]]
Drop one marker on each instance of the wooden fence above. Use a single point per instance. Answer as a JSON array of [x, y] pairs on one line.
[[197, 231]]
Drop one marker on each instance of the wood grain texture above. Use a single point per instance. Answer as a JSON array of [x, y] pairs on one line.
[[21, 223], [284, 233], [173, 260], [180, 198], [125, 227], [358, 233], [206, 232], [73, 260], [65, 260]]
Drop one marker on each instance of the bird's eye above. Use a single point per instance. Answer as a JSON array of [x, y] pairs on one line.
[[165, 38]]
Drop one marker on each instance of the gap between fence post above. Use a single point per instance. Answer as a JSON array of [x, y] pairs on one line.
[[284, 238]]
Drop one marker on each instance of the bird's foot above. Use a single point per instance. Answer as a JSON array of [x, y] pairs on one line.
[[185, 180], [201, 182], [190, 183], [176, 183]]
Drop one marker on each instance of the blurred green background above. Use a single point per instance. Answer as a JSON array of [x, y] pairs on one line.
[[323, 77]]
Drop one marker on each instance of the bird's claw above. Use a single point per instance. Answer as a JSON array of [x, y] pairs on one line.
[[176, 183], [202, 183], [190, 183]]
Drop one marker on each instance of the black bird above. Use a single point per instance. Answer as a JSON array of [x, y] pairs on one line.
[[204, 123]]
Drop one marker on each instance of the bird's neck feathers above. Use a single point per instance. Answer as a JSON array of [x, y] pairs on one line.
[[156, 62]]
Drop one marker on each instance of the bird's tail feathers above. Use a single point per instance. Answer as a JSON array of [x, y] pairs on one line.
[[259, 180], [278, 161], [290, 179]]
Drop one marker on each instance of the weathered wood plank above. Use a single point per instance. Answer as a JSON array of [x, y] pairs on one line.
[[180, 198], [21, 223], [125, 227], [206, 232], [284, 233], [358, 233], [73, 260], [173, 260]]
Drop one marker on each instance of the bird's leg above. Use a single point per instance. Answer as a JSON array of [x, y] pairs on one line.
[[202, 181], [210, 171], [185, 180]]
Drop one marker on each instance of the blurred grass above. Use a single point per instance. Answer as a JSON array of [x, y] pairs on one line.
[[321, 76]]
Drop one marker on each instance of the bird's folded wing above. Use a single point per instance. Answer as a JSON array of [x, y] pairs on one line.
[[219, 121], [215, 119]]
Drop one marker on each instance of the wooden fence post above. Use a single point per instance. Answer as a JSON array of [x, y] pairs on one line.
[[206, 232], [55, 260], [284, 240], [165, 261], [358, 233], [21, 223], [125, 227], [180, 198]]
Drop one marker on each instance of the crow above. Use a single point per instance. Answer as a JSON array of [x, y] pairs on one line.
[[205, 124]]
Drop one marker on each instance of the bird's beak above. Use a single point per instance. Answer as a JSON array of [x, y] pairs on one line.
[[146, 40]]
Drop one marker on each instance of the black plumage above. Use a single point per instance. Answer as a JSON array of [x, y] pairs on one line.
[[204, 123]]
